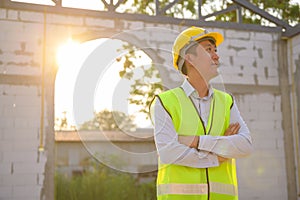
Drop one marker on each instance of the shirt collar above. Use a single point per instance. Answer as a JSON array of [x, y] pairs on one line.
[[189, 90]]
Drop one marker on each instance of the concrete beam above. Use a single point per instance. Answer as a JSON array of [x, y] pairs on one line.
[[287, 120]]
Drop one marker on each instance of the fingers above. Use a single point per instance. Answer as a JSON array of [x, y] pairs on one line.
[[232, 129], [222, 159], [191, 141], [235, 128]]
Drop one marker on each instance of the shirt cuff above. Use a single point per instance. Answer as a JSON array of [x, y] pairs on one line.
[[212, 159], [207, 142]]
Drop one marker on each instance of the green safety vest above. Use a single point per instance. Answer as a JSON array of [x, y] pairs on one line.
[[177, 182]]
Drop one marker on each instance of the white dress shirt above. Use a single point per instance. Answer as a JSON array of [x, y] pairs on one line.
[[172, 152]]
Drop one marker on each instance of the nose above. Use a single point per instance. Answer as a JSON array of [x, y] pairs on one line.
[[215, 56]]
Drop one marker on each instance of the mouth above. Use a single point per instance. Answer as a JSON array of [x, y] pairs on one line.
[[215, 64]]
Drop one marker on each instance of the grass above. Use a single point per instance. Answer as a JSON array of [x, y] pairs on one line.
[[103, 183]]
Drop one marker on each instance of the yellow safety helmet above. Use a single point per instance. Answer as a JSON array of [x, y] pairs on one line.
[[187, 38]]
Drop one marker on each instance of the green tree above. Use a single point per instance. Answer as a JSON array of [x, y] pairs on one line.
[[108, 121], [146, 85]]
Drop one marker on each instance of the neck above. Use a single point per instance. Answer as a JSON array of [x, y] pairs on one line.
[[200, 85]]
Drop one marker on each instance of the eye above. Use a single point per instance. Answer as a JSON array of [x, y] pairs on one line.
[[208, 49]]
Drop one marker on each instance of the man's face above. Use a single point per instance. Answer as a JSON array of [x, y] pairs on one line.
[[206, 60]]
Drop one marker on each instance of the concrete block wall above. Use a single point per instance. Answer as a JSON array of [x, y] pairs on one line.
[[249, 58], [264, 171], [249, 62], [21, 164]]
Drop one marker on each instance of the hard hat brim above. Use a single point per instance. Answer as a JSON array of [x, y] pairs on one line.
[[218, 37]]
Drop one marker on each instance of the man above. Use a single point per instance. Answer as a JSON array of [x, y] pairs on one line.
[[198, 129]]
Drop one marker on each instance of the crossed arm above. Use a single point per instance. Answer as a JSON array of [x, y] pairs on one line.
[[193, 141], [204, 151]]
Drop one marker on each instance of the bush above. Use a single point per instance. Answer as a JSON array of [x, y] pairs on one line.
[[103, 183]]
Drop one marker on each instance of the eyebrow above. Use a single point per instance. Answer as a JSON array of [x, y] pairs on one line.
[[209, 45]]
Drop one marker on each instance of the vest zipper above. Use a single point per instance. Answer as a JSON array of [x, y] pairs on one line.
[[206, 169]]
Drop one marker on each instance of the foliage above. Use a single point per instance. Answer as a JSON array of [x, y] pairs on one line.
[[181, 9], [62, 124], [146, 84], [109, 120], [104, 183], [282, 9], [279, 8]]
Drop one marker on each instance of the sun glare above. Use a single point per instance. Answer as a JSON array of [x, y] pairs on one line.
[[67, 57], [66, 52]]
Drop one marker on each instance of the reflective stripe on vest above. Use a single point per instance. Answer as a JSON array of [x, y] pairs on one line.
[[192, 189], [182, 189]]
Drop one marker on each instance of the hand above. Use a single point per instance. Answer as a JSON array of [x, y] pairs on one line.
[[190, 141], [222, 159], [232, 129]]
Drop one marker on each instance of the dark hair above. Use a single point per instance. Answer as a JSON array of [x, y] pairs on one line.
[[191, 50]]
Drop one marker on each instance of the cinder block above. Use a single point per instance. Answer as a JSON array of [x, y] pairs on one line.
[[263, 125], [261, 106], [278, 125], [239, 44], [8, 48], [27, 191], [245, 63], [21, 90], [29, 168], [20, 134], [271, 81], [28, 111], [6, 122], [24, 101], [20, 122], [89, 21], [295, 40], [260, 36], [19, 158], [5, 168], [18, 69], [18, 146], [247, 52], [277, 106], [269, 115], [12, 14], [135, 25], [64, 19], [6, 192], [2, 13], [32, 16], [9, 111], [243, 35], [249, 116], [264, 45], [266, 97], [33, 123], [5, 146], [19, 179]]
